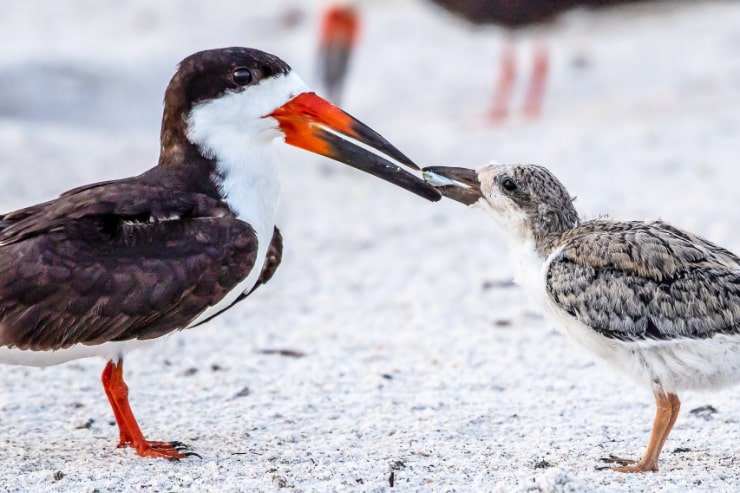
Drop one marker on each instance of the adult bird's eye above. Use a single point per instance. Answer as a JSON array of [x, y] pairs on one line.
[[242, 76], [508, 184]]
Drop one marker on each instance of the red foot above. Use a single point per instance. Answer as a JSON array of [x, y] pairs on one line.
[[130, 433], [165, 450]]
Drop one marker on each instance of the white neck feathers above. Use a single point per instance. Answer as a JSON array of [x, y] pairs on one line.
[[233, 130]]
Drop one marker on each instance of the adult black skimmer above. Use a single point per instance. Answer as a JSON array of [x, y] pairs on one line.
[[658, 303], [108, 266]]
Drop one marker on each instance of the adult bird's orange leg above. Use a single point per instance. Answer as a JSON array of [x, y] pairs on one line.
[[537, 82], [667, 408], [130, 433], [125, 437]]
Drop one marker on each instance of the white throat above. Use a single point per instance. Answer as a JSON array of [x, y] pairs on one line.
[[529, 266], [233, 130]]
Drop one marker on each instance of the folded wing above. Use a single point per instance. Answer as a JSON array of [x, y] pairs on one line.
[[116, 261], [636, 281]]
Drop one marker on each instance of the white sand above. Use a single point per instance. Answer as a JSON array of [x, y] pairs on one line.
[[418, 360]]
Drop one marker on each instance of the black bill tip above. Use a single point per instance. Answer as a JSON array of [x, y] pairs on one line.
[[370, 137], [374, 164]]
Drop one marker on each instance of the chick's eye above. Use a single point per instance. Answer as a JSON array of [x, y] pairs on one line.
[[242, 76], [509, 185]]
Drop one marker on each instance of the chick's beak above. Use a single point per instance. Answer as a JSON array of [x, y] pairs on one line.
[[314, 124], [460, 184]]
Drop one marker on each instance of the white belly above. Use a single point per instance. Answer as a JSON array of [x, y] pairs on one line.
[[679, 364], [107, 350]]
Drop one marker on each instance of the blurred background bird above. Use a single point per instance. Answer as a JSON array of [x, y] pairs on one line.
[[340, 26], [340, 29]]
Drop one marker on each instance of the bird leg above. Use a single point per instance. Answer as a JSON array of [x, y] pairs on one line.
[[667, 408], [538, 79], [502, 95], [130, 433], [339, 32]]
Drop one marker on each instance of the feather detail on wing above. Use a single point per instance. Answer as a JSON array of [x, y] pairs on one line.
[[636, 281], [116, 261]]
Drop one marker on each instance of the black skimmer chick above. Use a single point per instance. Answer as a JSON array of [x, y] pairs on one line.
[[108, 266], [656, 302]]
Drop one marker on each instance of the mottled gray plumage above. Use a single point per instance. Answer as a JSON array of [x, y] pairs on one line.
[[628, 280], [656, 302], [645, 280]]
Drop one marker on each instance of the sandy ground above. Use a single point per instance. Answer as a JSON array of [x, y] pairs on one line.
[[420, 359]]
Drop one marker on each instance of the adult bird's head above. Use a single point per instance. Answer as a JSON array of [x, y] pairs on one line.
[[227, 105]]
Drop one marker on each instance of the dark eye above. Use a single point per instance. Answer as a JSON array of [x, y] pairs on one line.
[[508, 184], [242, 76]]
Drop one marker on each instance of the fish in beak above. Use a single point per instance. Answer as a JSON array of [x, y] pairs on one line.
[[460, 184], [314, 124]]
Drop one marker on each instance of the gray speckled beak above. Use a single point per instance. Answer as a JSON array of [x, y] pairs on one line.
[[460, 184]]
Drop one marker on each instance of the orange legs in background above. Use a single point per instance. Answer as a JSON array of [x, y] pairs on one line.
[[504, 87], [502, 93], [340, 26]]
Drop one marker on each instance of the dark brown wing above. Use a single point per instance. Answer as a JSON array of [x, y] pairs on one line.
[[272, 261], [120, 261], [115, 201]]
